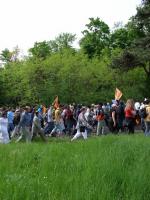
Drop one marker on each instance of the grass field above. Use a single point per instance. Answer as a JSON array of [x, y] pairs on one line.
[[104, 168]]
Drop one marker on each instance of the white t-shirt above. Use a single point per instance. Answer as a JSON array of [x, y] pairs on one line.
[[50, 115], [4, 136]]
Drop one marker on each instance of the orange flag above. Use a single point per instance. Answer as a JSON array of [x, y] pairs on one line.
[[56, 103], [118, 94]]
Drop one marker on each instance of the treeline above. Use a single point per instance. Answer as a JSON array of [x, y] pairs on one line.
[[105, 60]]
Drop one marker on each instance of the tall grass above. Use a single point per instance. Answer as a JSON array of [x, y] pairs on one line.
[[104, 168]]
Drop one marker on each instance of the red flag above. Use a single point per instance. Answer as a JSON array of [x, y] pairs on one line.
[[118, 94], [56, 103]]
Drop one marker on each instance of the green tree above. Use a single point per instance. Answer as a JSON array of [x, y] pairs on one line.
[[40, 50], [8, 56], [62, 41], [95, 37], [121, 38], [138, 54]]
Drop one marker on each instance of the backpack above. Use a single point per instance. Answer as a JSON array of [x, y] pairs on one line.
[[100, 115], [16, 119], [69, 114]]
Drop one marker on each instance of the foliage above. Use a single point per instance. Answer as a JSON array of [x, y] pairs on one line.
[[8, 56], [95, 37], [71, 76], [138, 52], [106, 60], [40, 50], [121, 38], [62, 41]]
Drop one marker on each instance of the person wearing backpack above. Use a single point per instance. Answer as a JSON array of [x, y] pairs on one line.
[[36, 128], [147, 118], [81, 126], [100, 117]]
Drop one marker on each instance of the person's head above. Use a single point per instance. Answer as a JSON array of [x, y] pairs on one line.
[[146, 101], [27, 109], [36, 113], [4, 114], [137, 105], [17, 110], [79, 106], [83, 110], [100, 105], [130, 103], [72, 108], [92, 105]]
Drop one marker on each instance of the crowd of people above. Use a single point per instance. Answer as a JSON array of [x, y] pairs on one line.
[[27, 123]]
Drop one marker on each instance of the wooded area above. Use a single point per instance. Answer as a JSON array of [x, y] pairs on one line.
[[105, 60]]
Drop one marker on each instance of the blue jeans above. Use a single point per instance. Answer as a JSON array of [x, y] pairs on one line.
[[147, 130], [10, 128], [101, 127], [49, 127], [89, 131], [57, 128]]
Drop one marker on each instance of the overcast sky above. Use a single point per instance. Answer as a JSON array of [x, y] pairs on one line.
[[24, 22]]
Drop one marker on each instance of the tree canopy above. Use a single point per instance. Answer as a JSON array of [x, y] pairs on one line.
[[105, 60]]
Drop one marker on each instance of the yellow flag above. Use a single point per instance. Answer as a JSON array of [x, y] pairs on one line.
[[118, 94]]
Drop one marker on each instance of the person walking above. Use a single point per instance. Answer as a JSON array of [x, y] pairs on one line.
[[100, 117], [147, 119], [4, 135], [113, 122], [36, 128], [82, 124], [50, 122], [10, 116], [25, 125], [16, 121], [130, 114], [58, 125]]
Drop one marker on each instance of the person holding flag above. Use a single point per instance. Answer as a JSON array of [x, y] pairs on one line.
[[57, 118], [57, 123]]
